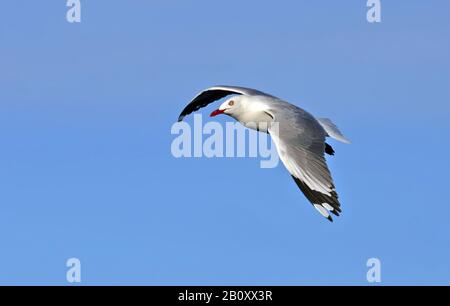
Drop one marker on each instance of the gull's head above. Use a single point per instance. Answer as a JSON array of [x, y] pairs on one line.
[[231, 107]]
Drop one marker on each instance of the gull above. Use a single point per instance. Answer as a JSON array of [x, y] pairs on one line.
[[298, 136]]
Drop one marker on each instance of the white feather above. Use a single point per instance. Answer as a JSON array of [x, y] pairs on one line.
[[322, 210], [328, 206]]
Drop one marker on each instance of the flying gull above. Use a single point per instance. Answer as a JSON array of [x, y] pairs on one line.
[[299, 138]]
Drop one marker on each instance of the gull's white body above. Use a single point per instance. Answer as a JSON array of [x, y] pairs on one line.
[[298, 136]]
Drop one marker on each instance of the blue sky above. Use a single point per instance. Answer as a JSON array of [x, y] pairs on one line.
[[86, 168]]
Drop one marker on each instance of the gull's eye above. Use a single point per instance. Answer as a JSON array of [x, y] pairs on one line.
[[231, 103]]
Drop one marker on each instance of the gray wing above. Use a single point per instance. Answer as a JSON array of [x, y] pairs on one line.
[[215, 93], [300, 142]]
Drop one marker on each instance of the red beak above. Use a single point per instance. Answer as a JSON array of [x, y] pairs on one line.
[[217, 112]]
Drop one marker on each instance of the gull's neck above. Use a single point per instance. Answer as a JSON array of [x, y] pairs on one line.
[[253, 114]]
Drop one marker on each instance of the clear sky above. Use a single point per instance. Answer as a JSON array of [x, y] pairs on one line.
[[86, 169]]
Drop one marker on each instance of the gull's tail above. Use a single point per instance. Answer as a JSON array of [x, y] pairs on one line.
[[332, 130]]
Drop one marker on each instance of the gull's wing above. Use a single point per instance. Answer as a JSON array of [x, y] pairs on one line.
[[300, 142], [216, 93]]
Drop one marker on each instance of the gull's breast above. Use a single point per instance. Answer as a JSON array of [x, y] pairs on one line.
[[259, 120]]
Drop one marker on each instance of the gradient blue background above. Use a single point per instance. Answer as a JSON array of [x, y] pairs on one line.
[[85, 163]]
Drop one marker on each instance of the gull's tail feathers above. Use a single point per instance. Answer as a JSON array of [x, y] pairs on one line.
[[332, 130]]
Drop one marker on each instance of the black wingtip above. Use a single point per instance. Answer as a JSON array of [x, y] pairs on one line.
[[329, 149], [180, 118], [330, 219]]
